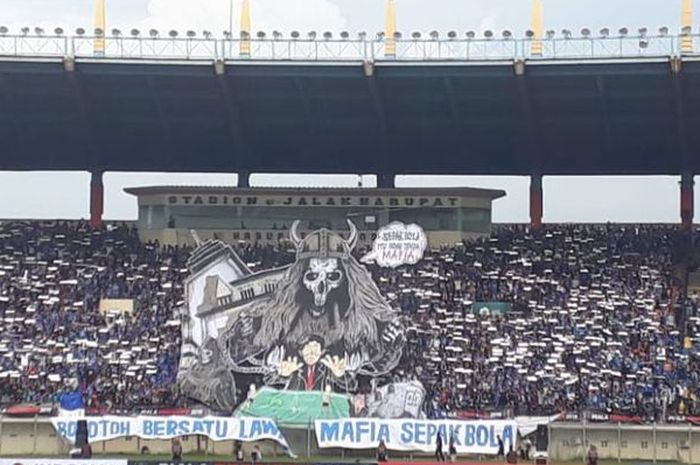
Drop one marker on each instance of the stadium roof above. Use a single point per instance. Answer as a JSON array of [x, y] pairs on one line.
[[320, 191], [594, 117]]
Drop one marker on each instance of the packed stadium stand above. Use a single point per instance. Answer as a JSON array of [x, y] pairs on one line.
[[588, 323], [54, 276], [591, 326]]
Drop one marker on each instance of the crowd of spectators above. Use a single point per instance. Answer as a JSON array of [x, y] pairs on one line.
[[54, 336], [589, 325], [575, 318]]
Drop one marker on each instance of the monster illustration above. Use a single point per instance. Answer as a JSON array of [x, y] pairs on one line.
[[325, 323], [209, 378]]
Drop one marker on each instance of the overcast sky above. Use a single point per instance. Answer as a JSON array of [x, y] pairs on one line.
[[65, 195]]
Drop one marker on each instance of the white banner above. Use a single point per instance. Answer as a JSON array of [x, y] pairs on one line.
[[60, 462], [528, 425], [471, 437], [215, 428]]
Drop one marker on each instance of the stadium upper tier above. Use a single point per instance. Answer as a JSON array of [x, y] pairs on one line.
[[591, 325], [387, 117], [325, 46]]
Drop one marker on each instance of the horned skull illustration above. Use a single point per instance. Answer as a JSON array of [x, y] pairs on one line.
[[323, 252], [322, 277]]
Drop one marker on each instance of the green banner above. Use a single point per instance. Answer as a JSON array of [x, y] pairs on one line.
[[294, 408], [490, 308]]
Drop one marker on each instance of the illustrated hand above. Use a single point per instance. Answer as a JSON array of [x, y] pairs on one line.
[[354, 362], [275, 357], [289, 366], [337, 365], [393, 334]]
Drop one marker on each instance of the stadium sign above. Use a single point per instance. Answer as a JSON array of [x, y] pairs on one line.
[[471, 437], [215, 428], [314, 201]]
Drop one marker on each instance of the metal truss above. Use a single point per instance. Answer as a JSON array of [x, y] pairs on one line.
[[311, 48]]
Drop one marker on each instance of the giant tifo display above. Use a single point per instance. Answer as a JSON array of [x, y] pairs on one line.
[[571, 319], [319, 324]]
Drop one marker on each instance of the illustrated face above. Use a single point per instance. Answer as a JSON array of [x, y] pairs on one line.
[[311, 353], [322, 276], [207, 352]]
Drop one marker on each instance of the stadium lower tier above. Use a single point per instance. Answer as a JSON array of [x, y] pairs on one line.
[[571, 319]]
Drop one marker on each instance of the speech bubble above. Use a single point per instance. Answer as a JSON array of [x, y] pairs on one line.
[[397, 244]]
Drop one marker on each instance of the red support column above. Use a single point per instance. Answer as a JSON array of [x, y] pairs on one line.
[[687, 201], [536, 203], [96, 199]]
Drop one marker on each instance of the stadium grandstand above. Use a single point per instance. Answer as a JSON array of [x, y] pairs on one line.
[[330, 325], [589, 323]]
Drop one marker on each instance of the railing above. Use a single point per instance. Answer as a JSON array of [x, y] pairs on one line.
[[350, 49]]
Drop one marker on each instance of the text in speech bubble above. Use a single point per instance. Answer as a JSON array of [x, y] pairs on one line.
[[397, 244]]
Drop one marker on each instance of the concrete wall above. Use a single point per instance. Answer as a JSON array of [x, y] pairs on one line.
[[678, 443], [28, 437]]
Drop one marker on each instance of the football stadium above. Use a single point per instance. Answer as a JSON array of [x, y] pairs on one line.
[[307, 325]]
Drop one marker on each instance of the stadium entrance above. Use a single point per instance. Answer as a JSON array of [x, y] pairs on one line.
[[230, 214]]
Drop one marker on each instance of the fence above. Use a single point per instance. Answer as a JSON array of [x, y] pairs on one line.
[[567, 442], [328, 48]]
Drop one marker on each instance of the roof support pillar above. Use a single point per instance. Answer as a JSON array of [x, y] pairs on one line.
[[244, 179], [687, 201], [97, 193], [386, 181], [530, 123], [536, 202]]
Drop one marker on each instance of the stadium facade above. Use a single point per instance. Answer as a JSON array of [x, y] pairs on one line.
[[264, 215]]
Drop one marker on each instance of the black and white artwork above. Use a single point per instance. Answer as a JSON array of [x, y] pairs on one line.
[[316, 324]]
